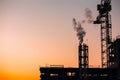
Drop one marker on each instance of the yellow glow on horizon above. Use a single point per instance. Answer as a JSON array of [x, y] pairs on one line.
[[36, 33]]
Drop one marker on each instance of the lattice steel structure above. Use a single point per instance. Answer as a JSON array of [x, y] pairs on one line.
[[104, 18], [83, 60]]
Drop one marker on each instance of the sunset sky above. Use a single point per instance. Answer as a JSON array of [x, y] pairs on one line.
[[36, 33]]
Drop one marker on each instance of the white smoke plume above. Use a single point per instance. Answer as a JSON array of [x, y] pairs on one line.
[[79, 29]]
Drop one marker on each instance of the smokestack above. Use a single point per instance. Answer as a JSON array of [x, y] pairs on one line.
[[79, 29], [83, 61]]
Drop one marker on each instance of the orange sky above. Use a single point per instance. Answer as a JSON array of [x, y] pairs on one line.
[[36, 33]]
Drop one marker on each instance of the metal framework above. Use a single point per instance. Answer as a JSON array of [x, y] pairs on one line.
[[104, 18], [83, 61], [110, 54], [58, 72], [83, 56]]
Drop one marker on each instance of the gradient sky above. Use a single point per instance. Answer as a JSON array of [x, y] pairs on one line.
[[36, 33]]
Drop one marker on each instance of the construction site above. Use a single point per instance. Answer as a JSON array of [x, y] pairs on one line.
[[110, 53]]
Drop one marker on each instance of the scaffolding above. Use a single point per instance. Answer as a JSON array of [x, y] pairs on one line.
[[110, 55], [83, 60]]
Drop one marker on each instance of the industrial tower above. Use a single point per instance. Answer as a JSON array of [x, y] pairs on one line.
[[104, 19], [110, 53]]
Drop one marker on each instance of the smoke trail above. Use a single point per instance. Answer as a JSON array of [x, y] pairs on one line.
[[74, 22], [79, 29], [88, 15]]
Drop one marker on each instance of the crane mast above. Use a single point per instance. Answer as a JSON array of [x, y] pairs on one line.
[[104, 19]]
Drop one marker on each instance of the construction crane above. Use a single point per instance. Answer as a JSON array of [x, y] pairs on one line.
[[104, 19]]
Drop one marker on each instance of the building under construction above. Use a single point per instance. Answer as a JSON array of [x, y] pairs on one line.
[[110, 55]]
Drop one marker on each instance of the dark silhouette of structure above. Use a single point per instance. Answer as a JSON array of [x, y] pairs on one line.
[[104, 19], [84, 72], [83, 60], [110, 55]]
